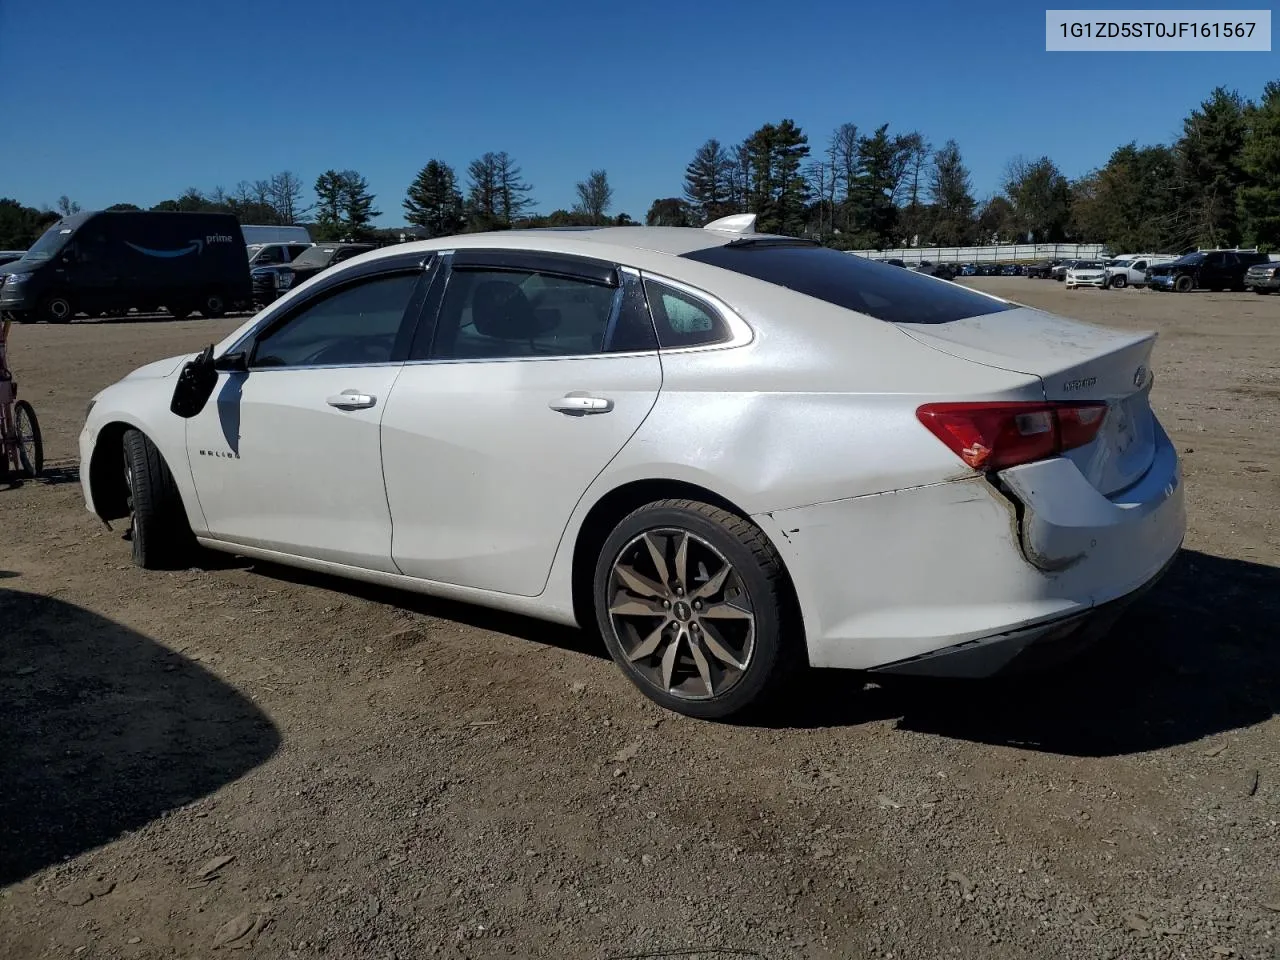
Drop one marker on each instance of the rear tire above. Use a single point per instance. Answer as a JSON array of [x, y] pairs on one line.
[[711, 640], [213, 306], [160, 535], [1260, 292], [57, 310], [30, 443]]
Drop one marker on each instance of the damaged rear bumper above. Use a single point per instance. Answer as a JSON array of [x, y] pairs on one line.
[[909, 579], [1026, 650]]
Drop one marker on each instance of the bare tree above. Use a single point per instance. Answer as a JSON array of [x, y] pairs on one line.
[[595, 196], [243, 193], [845, 158], [285, 193], [67, 206]]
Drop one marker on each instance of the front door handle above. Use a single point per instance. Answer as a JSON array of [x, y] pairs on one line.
[[580, 404], [351, 400]]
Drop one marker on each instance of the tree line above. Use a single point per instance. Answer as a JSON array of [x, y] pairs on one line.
[[1217, 184]]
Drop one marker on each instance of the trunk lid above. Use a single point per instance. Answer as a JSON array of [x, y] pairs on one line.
[[1074, 361]]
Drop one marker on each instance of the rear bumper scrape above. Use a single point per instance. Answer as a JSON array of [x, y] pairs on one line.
[[1023, 651]]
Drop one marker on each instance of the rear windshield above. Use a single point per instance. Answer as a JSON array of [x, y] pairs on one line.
[[855, 283]]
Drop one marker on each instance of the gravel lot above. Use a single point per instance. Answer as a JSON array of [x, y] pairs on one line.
[[245, 757]]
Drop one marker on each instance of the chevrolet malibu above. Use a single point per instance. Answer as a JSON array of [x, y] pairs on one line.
[[732, 453]]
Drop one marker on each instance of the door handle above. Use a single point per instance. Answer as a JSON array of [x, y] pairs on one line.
[[351, 400], [580, 404]]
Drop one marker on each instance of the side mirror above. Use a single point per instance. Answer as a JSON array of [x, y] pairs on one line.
[[195, 385]]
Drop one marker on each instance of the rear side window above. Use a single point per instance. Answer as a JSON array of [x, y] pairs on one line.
[[683, 320], [855, 283]]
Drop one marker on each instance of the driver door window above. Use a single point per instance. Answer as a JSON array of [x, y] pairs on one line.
[[352, 326]]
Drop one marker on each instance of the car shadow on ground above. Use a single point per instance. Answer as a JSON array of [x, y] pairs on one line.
[[1195, 657], [483, 618], [104, 729]]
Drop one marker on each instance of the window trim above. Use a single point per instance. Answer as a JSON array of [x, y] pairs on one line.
[[426, 269], [740, 332], [534, 261]]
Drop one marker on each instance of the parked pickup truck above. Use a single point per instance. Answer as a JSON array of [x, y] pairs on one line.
[[1263, 277], [1129, 271]]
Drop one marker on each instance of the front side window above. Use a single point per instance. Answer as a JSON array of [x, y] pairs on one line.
[[501, 314], [683, 320], [354, 325]]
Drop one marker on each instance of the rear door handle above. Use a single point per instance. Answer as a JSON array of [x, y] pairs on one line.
[[351, 400], [580, 404]]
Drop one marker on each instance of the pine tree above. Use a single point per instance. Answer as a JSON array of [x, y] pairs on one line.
[[952, 196], [1259, 201], [328, 188], [1210, 151], [433, 201], [708, 182], [358, 212]]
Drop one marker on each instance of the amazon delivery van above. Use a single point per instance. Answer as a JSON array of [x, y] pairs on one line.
[[103, 263]]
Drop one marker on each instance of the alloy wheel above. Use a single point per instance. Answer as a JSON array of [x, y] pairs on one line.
[[681, 614]]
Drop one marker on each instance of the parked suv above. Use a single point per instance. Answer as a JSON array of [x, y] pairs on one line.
[[1263, 277], [1205, 270]]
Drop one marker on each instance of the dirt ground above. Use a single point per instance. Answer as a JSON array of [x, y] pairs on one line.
[[247, 758]]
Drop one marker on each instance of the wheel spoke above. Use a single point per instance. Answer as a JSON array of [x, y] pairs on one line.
[[659, 558], [704, 668], [724, 610], [682, 559], [629, 606], [712, 586], [637, 582], [647, 646], [715, 643], [669, 658]]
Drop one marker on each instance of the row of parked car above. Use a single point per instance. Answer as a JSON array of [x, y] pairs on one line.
[[1199, 270]]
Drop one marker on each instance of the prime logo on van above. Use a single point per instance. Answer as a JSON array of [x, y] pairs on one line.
[[196, 246]]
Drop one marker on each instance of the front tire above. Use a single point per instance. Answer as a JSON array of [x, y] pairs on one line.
[[694, 607], [30, 442], [1119, 283], [57, 310], [1183, 284], [160, 535]]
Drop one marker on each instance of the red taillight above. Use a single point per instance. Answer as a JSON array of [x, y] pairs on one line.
[[992, 436]]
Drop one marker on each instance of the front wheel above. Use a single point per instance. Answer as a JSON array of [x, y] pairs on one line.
[[57, 310], [30, 443], [1183, 284], [160, 535], [1260, 291], [693, 605], [179, 311], [1119, 282]]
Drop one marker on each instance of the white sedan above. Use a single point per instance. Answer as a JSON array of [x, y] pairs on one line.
[[731, 453], [1087, 273]]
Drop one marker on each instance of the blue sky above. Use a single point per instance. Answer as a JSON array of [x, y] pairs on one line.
[[135, 100]]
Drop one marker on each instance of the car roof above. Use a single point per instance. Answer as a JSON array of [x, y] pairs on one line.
[[604, 242]]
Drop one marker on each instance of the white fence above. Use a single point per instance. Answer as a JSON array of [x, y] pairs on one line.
[[996, 254]]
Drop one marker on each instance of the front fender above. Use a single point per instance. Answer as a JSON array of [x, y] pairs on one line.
[[140, 403]]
